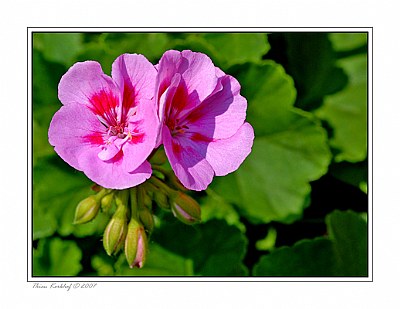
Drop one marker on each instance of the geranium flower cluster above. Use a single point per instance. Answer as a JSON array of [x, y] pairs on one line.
[[112, 127], [109, 126]]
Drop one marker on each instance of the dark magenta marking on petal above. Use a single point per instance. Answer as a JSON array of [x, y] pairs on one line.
[[197, 137], [180, 100], [103, 105], [176, 148], [94, 139], [137, 138], [162, 88], [128, 100], [195, 115]]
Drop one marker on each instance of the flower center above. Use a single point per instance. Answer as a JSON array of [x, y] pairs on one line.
[[117, 130], [176, 127]]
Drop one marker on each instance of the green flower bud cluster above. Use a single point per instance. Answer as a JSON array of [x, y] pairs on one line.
[[130, 226], [131, 217]]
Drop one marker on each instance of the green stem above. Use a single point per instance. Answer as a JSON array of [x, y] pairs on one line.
[[103, 192], [160, 169], [162, 186], [150, 187], [121, 200], [134, 202], [140, 194]]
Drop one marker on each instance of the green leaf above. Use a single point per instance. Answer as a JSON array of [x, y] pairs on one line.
[[214, 206], [307, 258], [55, 257], [98, 51], [57, 190], [274, 179], [59, 47], [215, 248], [103, 264], [106, 47], [45, 103], [289, 151], [311, 62], [349, 231], [41, 147], [343, 253], [45, 79], [226, 49], [270, 94], [227, 188], [196, 43], [347, 41], [355, 174], [267, 243], [237, 48], [160, 262], [151, 45], [346, 112]]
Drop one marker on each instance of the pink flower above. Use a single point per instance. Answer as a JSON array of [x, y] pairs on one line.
[[202, 117], [107, 127]]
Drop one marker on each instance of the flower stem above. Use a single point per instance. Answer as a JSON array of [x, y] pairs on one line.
[[134, 202], [160, 169], [162, 186]]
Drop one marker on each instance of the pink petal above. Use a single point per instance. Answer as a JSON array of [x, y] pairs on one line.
[[199, 74], [140, 145], [135, 77], [197, 70], [109, 149], [167, 97], [73, 130], [221, 114], [112, 174], [82, 81], [188, 163], [226, 155]]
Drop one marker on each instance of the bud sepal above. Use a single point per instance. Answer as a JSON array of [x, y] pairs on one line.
[[136, 244], [117, 228], [185, 208]]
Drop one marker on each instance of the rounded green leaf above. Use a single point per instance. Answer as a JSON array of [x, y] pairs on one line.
[[59, 47], [213, 206], [57, 190], [311, 62], [347, 41], [343, 253], [349, 233], [307, 258], [346, 112], [56, 257], [215, 248], [159, 262], [270, 93], [236, 48], [274, 180], [290, 149]]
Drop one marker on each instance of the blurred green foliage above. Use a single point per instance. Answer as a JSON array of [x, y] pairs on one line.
[[307, 101]]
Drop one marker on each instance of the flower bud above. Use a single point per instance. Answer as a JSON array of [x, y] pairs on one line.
[[147, 200], [115, 232], [86, 210], [136, 244], [146, 217], [161, 200], [186, 209], [106, 202]]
